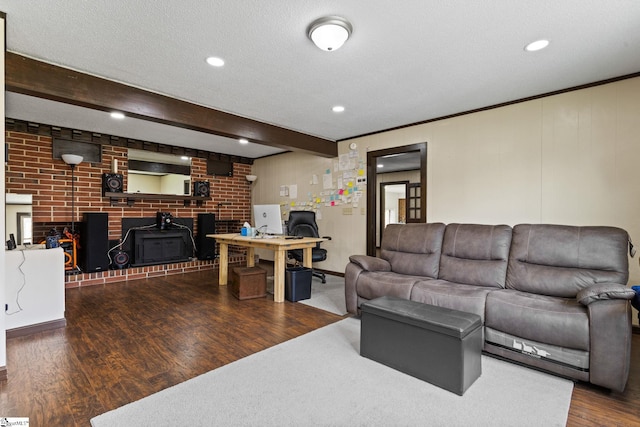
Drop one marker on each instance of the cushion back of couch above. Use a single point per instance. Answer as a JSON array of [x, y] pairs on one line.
[[560, 260], [413, 248], [475, 254]]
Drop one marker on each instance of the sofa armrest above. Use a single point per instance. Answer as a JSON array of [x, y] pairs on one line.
[[604, 291], [610, 343], [370, 263]]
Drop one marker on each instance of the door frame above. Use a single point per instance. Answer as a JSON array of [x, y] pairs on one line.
[[372, 187]]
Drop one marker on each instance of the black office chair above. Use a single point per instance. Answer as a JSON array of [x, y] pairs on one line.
[[303, 223]]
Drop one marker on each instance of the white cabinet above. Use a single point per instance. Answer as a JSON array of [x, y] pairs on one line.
[[34, 287]]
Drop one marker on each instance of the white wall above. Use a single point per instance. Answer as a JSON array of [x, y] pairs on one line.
[[568, 159]]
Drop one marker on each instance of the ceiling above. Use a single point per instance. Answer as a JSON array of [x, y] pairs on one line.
[[405, 62]]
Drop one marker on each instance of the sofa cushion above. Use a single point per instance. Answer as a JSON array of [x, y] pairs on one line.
[[455, 296], [413, 248], [475, 254], [563, 322], [377, 284], [559, 260]]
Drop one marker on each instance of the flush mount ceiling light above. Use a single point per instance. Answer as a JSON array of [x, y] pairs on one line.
[[536, 45], [329, 32]]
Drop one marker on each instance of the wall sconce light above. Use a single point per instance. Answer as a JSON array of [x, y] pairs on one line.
[[330, 32], [251, 178]]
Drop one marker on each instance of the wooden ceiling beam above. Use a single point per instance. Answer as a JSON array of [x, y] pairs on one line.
[[36, 78]]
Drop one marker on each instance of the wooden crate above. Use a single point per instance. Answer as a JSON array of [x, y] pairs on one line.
[[248, 282]]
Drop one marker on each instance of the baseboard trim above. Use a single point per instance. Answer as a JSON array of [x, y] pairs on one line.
[[34, 329], [3, 373]]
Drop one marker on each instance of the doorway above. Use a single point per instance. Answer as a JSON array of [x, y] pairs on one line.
[[388, 163]]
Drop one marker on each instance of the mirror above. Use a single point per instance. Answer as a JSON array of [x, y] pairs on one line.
[[158, 173], [18, 210]]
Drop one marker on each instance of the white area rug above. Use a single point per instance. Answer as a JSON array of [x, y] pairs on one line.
[[320, 379], [328, 296]]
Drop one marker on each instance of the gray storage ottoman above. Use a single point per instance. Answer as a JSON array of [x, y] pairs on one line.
[[435, 344]]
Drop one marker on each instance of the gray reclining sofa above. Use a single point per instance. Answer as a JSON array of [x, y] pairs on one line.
[[552, 297]]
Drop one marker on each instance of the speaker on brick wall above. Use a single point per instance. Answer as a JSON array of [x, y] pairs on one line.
[[94, 242], [206, 245], [112, 183], [201, 188], [120, 260]]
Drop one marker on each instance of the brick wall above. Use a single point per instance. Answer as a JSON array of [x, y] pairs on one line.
[[31, 169]]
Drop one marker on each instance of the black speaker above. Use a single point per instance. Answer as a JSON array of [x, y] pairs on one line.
[[112, 183], [201, 188], [206, 245], [94, 242], [120, 260]]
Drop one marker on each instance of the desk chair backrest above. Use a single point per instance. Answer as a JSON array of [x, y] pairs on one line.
[[302, 223]]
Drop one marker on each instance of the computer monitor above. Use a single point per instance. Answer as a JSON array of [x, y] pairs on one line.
[[267, 219]]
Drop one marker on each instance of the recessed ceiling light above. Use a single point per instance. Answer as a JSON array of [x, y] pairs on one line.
[[117, 115], [536, 45], [338, 109], [380, 166], [215, 61], [184, 158], [243, 141]]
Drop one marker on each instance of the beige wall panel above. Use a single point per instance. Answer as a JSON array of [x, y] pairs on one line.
[[485, 167], [590, 152]]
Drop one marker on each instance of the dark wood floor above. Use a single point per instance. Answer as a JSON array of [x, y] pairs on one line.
[[126, 341]]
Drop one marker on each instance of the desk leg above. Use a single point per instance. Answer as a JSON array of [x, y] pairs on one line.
[[278, 275], [223, 264], [307, 257], [251, 256]]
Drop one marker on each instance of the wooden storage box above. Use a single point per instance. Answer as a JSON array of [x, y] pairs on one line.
[[248, 282]]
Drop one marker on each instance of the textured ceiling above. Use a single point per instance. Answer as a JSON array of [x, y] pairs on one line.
[[406, 61]]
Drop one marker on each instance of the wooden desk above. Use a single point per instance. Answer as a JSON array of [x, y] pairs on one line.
[[278, 245]]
